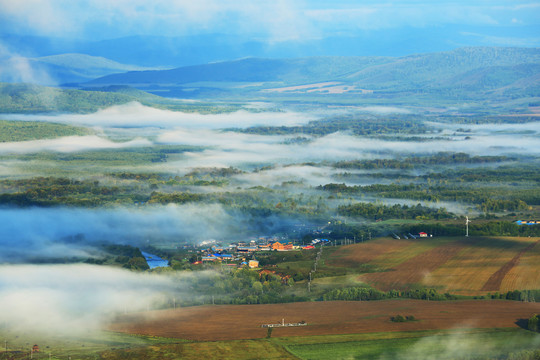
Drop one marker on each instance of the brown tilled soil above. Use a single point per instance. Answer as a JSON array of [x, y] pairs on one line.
[[352, 255], [495, 280], [230, 322], [413, 270]]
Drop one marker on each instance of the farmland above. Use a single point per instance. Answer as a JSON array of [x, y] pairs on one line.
[[211, 323], [93, 179], [464, 266]]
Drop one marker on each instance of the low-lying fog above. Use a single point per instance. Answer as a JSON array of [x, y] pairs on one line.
[[70, 295], [77, 298], [230, 148], [55, 233]]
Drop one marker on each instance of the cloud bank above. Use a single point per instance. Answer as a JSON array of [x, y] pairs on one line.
[[276, 20], [74, 299], [48, 232], [69, 144], [136, 115]]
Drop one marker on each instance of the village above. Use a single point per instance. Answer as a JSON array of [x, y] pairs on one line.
[[244, 253]]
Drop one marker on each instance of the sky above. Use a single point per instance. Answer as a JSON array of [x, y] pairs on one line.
[[270, 21]]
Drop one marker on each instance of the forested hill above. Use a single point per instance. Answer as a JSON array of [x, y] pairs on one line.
[[24, 98], [473, 69]]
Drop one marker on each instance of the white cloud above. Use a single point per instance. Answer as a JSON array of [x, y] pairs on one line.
[[68, 144], [273, 20], [277, 19], [136, 115], [46, 232], [73, 299]]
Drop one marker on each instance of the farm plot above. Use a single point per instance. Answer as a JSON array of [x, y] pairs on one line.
[[415, 270], [230, 322], [469, 271], [384, 251], [525, 274], [463, 266]]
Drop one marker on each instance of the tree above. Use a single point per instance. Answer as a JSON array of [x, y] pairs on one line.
[[533, 323]]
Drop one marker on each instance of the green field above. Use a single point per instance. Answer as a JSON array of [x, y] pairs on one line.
[[452, 344], [11, 131], [473, 344]]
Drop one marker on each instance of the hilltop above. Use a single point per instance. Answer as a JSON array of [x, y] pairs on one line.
[[475, 72], [62, 68]]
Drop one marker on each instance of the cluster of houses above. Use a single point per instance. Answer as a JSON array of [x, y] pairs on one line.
[[528, 222], [235, 254], [412, 236]]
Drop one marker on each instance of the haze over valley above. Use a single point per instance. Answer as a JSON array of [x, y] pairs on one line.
[[276, 161]]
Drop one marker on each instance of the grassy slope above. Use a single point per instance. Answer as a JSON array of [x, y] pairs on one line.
[[35, 130], [28, 98]]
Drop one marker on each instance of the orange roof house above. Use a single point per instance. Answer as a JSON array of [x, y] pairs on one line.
[[282, 247]]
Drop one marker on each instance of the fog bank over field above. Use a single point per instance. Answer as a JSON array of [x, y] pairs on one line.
[[74, 299], [233, 149], [56, 232], [136, 115], [227, 148], [530, 128], [69, 144]]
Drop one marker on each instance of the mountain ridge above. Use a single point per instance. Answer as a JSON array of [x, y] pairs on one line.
[[417, 72]]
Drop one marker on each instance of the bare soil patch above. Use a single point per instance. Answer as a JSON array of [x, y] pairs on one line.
[[352, 255], [232, 322]]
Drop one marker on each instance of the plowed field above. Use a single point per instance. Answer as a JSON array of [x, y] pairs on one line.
[[229, 322]]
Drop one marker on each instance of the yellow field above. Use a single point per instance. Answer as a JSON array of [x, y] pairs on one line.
[[472, 267], [466, 266], [526, 274]]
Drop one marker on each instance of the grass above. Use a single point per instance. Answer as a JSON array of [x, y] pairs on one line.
[[443, 344], [11, 131], [238, 349], [414, 345], [81, 346]]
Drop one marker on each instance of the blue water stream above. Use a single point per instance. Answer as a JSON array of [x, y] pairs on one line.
[[154, 261]]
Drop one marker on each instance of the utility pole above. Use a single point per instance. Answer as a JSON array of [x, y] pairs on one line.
[[467, 221]]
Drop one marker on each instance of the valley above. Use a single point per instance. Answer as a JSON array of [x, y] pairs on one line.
[[392, 203]]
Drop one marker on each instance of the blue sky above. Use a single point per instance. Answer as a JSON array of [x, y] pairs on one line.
[[267, 20]]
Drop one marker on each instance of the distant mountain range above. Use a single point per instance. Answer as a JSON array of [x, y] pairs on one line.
[[59, 69], [162, 51], [476, 71]]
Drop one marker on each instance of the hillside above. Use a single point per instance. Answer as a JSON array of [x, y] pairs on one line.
[[64, 68], [465, 70], [251, 70], [25, 98]]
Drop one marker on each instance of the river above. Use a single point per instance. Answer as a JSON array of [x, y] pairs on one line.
[[154, 261]]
